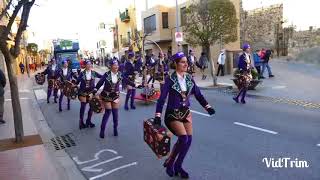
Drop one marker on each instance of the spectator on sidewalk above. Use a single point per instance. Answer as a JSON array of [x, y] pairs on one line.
[[191, 62], [257, 62], [221, 62], [203, 64], [21, 65], [2, 85], [265, 64]]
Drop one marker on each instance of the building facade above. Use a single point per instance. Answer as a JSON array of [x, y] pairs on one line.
[[159, 23], [125, 32]]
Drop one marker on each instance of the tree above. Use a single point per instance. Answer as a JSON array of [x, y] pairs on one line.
[[32, 48], [209, 21], [11, 53]]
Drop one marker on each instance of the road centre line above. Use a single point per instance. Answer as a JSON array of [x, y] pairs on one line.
[[256, 128], [23, 98]]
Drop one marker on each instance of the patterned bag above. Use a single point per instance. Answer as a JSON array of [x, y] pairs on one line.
[[157, 137]]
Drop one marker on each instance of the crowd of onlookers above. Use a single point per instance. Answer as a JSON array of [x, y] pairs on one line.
[[261, 62]]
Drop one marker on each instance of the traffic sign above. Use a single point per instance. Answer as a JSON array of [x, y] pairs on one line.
[[179, 36]]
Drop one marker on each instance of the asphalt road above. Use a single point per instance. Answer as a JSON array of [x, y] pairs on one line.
[[230, 145]]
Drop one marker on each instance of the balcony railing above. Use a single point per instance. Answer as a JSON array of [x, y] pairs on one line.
[[124, 16]]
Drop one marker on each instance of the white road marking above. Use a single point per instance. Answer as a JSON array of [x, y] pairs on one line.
[[40, 94], [200, 113], [96, 156], [256, 128], [22, 91], [196, 112], [113, 170], [24, 98], [92, 169], [278, 87], [318, 145]]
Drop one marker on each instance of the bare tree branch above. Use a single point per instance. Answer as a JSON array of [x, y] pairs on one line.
[[3, 13], [22, 27], [12, 18]]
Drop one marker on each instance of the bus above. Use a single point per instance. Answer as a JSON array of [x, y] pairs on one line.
[[67, 50]]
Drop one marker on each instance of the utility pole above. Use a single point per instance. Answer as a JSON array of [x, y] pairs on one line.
[[177, 24]]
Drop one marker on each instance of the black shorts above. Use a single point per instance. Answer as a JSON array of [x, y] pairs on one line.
[[180, 115]]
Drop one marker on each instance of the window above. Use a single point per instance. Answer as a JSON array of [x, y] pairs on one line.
[[183, 16], [150, 24], [165, 23]]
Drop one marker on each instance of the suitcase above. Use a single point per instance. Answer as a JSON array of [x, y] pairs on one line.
[[157, 137]]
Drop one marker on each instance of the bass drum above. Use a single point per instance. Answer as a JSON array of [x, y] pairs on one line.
[[40, 79], [96, 105]]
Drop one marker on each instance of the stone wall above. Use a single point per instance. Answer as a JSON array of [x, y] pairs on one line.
[[262, 27]]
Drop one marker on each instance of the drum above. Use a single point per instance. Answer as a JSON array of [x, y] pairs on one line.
[[95, 105], [70, 90], [157, 137], [40, 79], [148, 92]]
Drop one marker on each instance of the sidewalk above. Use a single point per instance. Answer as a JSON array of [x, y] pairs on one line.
[[35, 158]]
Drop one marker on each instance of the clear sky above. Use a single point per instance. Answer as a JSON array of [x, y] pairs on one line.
[[79, 19]]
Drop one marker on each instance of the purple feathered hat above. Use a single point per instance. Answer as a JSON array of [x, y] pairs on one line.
[[88, 62], [113, 61], [178, 56], [246, 46], [130, 54]]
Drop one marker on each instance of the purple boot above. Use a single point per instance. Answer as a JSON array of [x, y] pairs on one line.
[[182, 154], [115, 121], [104, 122], [126, 107], [69, 103], [133, 94], [88, 121], [60, 102], [49, 94], [82, 109], [177, 148]]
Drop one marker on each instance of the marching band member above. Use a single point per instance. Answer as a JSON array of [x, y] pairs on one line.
[[129, 79], [163, 67], [179, 86], [245, 77], [87, 87], [151, 63], [110, 96], [65, 74], [52, 75]]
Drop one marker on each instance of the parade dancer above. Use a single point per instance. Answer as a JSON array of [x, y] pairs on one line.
[[151, 63], [179, 86], [65, 74], [52, 75], [163, 68], [110, 96], [129, 79], [245, 77], [87, 87]]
